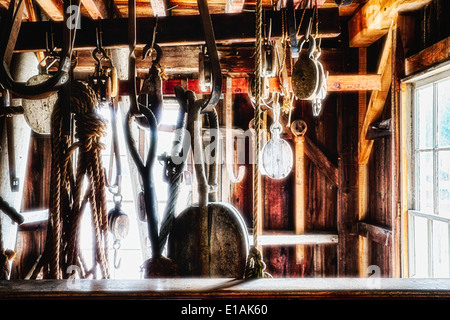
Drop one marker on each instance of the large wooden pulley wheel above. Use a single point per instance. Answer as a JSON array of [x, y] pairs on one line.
[[305, 74]]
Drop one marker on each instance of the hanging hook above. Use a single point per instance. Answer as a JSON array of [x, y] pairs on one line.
[[148, 49], [118, 261]]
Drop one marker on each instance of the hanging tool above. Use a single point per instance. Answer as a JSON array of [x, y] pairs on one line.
[[157, 265], [210, 238], [305, 73], [292, 28], [204, 70], [175, 162], [8, 37], [38, 112], [216, 72], [104, 81], [276, 154], [321, 91], [118, 223], [269, 66], [118, 220], [151, 93]]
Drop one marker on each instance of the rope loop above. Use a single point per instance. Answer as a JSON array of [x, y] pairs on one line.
[[90, 128], [255, 265]]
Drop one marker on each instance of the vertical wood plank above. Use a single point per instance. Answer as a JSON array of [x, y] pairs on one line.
[[299, 195], [363, 182]]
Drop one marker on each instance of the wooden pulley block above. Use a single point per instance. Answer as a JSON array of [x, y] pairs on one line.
[[269, 66], [204, 71], [209, 238], [276, 155], [151, 93], [118, 222], [265, 88], [105, 83], [38, 112], [305, 74]]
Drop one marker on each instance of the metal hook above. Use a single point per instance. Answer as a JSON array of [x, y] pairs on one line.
[[116, 247], [148, 49]]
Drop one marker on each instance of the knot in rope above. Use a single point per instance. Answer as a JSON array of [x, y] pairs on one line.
[[255, 265], [90, 128]]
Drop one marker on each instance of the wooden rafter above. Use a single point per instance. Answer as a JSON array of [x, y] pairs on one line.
[[178, 30], [53, 8], [377, 100], [428, 57], [97, 9], [373, 20]]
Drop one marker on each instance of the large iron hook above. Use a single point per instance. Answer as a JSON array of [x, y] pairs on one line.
[[11, 23]]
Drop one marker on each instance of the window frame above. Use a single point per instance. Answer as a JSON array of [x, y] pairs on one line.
[[424, 79]]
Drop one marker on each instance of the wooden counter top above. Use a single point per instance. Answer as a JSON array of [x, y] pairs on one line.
[[283, 288]]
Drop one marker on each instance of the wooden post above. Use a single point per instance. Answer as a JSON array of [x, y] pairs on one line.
[[298, 128], [398, 68], [404, 181], [227, 147], [347, 210], [363, 182]]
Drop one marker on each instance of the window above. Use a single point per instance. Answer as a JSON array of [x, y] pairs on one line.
[[135, 248], [429, 214]]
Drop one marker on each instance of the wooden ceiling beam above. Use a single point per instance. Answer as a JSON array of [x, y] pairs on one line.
[[53, 8], [98, 9], [172, 30], [377, 100], [373, 20], [428, 57]]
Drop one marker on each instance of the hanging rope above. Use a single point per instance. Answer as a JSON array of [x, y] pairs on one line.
[[68, 199], [52, 258], [90, 128], [255, 265]]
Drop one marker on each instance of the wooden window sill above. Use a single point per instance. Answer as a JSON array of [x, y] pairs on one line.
[[214, 288]]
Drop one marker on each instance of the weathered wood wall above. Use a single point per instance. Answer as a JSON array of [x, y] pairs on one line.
[[31, 238]]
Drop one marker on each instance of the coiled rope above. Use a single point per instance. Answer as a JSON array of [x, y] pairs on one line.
[[67, 202], [90, 128]]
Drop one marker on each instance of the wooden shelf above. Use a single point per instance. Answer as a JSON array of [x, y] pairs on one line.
[[183, 288]]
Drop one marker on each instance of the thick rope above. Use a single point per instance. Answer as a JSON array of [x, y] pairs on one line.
[[67, 202], [90, 128], [255, 265]]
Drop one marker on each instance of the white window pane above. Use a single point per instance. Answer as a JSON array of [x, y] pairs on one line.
[[424, 117], [424, 165], [443, 88], [441, 267], [421, 247], [169, 115], [130, 264], [444, 183]]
